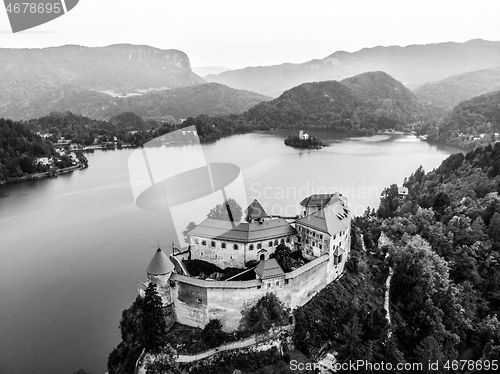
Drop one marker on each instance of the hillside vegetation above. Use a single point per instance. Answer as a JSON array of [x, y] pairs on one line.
[[362, 104], [413, 65], [27, 75], [211, 99], [442, 242], [471, 123], [450, 91]]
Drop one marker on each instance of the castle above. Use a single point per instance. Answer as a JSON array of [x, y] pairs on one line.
[[320, 234]]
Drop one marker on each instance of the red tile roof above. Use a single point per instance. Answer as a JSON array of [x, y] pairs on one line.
[[269, 269], [255, 210], [160, 264], [244, 232]]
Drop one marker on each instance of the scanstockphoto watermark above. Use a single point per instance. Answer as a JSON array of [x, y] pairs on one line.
[[418, 367], [24, 15], [291, 194], [358, 365]]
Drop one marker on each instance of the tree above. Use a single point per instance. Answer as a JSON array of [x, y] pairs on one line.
[[282, 255], [153, 322], [212, 334], [259, 318], [191, 225], [220, 211], [163, 362]]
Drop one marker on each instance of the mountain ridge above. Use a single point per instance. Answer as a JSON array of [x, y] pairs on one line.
[[413, 65]]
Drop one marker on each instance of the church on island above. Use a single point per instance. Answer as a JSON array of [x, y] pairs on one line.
[[318, 239]]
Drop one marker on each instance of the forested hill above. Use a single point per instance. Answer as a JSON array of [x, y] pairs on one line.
[[29, 74], [443, 244], [471, 123], [450, 91], [362, 104], [211, 99], [19, 147], [413, 65]]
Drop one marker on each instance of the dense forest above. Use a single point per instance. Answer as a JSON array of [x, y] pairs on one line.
[[471, 123], [20, 144], [19, 147], [442, 242]]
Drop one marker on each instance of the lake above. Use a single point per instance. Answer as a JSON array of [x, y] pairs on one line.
[[74, 248]]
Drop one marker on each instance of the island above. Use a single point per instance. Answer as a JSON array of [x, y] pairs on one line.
[[304, 141]]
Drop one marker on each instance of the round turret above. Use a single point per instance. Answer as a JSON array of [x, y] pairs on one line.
[[160, 268]]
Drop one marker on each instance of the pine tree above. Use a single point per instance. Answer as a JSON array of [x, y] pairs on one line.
[[154, 324]]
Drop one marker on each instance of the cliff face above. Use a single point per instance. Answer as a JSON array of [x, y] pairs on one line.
[[29, 73]]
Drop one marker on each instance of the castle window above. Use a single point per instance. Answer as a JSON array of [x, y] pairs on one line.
[[275, 242], [259, 245], [321, 236], [236, 246], [203, 242], [270, 244], [308, 231], [196, 241], [213, 243], [286, 281], [314, 233], [288, 239], [282, 241], [277, 283], [320, 246], [269, 285], [337, 259], [251, 247], [223, 245], [334, 236]]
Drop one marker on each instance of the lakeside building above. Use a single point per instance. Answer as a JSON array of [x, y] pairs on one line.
[[321, 235]]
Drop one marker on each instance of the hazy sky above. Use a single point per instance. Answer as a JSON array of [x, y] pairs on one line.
[[236, 34]]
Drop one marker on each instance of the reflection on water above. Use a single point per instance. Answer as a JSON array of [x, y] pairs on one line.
[[74, 247]]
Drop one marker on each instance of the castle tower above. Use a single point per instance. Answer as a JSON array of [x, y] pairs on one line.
[[159, 270]]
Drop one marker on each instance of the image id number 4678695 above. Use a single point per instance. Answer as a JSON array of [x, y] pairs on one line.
[[471, 365], [33, 8]]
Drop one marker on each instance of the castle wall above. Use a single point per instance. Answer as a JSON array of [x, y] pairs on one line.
[[230, 257], [197, 301]]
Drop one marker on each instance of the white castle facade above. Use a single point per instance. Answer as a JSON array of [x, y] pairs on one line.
[[321, 233]]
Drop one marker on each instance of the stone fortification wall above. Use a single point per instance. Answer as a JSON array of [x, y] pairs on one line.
[[196, 301]]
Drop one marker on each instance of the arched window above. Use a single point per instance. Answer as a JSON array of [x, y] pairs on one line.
[[275, 242], [270, 244], [236, 246], [282, 241], [212, 243], [203, 242], [288, 239], [251, 247], [259, 245], [223, 245]]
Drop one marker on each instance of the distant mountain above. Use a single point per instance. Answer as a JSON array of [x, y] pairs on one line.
[[363, 104], [28, 73], [211, 99], [413, 65], [206, 70], [471, 123], [450, 91]]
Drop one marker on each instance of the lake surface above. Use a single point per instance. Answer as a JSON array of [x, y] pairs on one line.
[[73, 248]]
